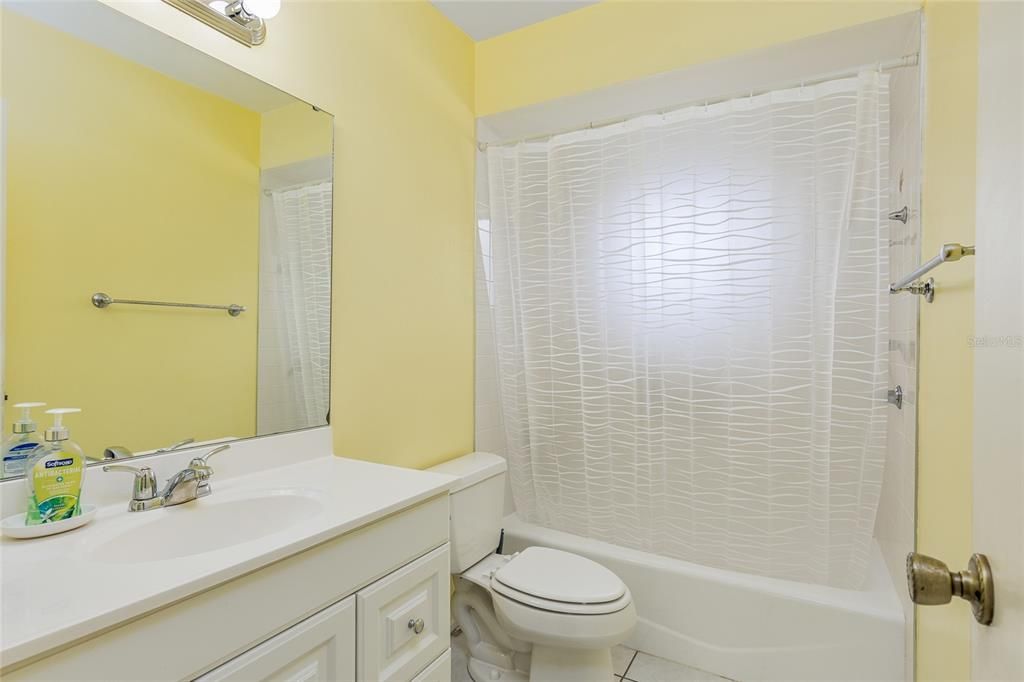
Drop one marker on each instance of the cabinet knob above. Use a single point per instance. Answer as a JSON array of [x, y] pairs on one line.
[[416, 625]]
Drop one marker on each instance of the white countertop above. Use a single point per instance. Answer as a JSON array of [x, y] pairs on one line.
[[53, 593]]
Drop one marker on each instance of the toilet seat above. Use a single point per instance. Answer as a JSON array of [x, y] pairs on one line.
[[560, 582], [561, 606]]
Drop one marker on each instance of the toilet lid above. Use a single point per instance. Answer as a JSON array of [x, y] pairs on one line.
[[560, 576]]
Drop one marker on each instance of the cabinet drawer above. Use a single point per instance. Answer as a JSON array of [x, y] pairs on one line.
[[321, 648], [403, 620], [438, 671]]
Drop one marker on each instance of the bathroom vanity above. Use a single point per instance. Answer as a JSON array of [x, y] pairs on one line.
[[321, 569]]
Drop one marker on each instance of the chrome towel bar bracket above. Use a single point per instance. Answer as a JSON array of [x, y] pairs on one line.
[[910, 283], [101, 300]]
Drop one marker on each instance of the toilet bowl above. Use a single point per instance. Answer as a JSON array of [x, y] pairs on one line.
[[541, 614]]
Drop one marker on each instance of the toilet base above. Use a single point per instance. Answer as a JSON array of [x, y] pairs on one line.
[[505, 652], [481, 671], [570, 665]]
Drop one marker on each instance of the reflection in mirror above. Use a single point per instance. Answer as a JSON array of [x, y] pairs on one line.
[[140, 168]]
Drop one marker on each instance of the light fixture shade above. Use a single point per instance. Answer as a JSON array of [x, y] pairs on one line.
[[264, 9], [234, 18]]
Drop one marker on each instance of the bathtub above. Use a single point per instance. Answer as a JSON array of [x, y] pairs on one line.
[[742, 626]]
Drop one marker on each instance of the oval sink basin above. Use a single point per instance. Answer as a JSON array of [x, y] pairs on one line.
[[204, 525]]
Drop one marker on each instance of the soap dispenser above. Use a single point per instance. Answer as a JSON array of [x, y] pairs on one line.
[[20, 444], [54, 474]]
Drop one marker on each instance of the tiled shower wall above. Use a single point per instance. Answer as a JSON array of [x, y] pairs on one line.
[[894, 523], [490, 429], [490, 435]]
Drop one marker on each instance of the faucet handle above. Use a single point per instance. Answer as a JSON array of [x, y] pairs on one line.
[[144, 486], [203, 470], [202, 463]]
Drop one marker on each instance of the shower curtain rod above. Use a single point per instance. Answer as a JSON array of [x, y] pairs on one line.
[[889, 65]]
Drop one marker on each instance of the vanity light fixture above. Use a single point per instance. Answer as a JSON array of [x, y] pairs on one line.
[[243, 20]]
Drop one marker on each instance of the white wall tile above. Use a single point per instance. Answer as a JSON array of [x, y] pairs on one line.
[[894, 522]]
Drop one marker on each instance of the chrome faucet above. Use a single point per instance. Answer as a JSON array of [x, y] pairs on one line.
[[188, 484]]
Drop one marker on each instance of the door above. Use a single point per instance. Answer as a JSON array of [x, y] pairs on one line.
[[997, 651]]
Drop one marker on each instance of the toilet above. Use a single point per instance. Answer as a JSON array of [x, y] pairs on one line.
[[539, 614]]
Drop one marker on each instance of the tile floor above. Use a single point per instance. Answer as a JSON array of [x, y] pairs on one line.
[[636, 666], [629, 665]]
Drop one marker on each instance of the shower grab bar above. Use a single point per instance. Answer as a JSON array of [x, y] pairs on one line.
[[948, 253], [101, 300]]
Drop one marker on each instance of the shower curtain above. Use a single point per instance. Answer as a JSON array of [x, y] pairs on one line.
[[689, 314], [295, 310]]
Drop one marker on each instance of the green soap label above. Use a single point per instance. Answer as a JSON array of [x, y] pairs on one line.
[[56, 485]]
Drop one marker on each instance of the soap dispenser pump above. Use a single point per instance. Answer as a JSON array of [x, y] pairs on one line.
[[20, 444], [55, 473]]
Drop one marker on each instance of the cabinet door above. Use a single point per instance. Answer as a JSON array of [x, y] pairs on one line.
[[438, 671], [321, 648], [403, 620]]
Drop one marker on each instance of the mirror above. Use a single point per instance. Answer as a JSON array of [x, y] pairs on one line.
[[139, 169]]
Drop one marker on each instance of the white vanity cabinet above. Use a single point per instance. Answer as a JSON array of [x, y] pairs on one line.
[[371, 604], [394, 630]]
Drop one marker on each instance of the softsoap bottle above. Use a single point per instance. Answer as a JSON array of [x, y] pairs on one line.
[[20, 444], [55, 474]]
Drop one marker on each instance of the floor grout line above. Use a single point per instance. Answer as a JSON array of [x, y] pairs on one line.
[[630, 664]]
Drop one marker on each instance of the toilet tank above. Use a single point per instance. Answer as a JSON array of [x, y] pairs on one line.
[[476, 506]]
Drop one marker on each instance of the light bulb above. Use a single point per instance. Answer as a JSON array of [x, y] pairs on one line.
[[219, 6], [264, 9]]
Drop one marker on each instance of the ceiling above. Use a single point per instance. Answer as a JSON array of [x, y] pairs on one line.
[[482, 19]]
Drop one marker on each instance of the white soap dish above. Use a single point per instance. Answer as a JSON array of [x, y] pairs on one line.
[[14, 526]]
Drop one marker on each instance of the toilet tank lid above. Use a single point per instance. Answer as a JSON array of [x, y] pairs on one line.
[[470, 469]]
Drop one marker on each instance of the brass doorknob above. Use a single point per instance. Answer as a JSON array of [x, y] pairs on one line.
[[931, 582]]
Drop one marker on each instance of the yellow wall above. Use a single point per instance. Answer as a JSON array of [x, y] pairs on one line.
[[617, 40], [398, 77], [945, 411], [294, 132], [125, 181]]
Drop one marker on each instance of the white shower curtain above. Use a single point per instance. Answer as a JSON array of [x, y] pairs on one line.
[[295, 310], [690, 319]]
